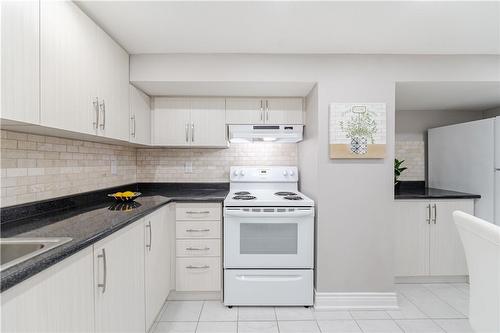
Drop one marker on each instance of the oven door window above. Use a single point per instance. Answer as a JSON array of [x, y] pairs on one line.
[[268, 238]]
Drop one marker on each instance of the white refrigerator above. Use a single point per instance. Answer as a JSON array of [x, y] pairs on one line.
[[466, 158]]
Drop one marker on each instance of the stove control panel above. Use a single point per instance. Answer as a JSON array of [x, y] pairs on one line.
[[268, 174]]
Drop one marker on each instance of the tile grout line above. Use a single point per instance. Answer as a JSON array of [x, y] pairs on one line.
[[199, 316], [430, 290]]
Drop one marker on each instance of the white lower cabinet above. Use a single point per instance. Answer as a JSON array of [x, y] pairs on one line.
[[158, 248], [59, 299], [119, 281], [198, 274], [198, 244], [427, 242]]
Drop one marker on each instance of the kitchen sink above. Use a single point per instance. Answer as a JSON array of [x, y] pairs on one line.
[[16, 250]]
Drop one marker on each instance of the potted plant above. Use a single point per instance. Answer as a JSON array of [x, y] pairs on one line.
[[398, 169], [359, 128]]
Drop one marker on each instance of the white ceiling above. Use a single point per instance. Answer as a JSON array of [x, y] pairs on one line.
[[225, 88], [436, 96], [403, 27]]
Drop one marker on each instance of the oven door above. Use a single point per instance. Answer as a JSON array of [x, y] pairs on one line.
[[268, 237]]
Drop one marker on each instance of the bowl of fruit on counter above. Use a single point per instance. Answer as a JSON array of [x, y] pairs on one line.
[[125, 196]]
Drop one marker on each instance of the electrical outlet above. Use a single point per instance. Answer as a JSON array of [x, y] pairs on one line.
[[188, 167]]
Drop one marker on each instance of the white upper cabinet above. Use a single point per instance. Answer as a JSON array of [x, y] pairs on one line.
[[140, 116], [113, 93], [68, 61], [284, 111], [170, 121], [20, 61], [84, 74], [264, 110], [244, 110], [208, 122], [189, 122]]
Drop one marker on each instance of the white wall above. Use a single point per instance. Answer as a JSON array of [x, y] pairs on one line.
[[354, 197]]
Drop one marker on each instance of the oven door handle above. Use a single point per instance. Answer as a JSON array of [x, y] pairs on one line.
[[269, 278], [241, 213]]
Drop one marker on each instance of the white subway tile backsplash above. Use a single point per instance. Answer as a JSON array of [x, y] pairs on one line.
[[413, 152], [36, 167]]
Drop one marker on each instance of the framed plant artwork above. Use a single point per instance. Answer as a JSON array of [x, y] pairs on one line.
[[357, 130]]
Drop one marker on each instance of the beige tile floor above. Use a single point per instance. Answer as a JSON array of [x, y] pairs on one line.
[[424, 308]]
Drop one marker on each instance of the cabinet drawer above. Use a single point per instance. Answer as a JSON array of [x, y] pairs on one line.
[[198, 274], [197, 229], [198, 247], [198, 211]]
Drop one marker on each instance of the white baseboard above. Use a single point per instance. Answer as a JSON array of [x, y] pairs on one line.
[[432, 279], [194, 295], [366, 301]]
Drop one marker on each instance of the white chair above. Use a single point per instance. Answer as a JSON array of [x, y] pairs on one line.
[[481, 242]]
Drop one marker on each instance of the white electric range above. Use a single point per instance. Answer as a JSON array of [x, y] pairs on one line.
[[268, 238]]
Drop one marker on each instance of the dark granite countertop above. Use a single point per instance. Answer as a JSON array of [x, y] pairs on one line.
[[87, 218], [432, 193]]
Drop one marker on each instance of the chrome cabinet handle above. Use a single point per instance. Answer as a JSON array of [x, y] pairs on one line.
[[197, 230], [261, 111], [103, 109], [267, 110], [195, 212], [104, 265], [197, 249], [197, 267], [187, 132], [133, 125], [192, 132], [148, 246], [95, 104], [435, 213], [428, 218]]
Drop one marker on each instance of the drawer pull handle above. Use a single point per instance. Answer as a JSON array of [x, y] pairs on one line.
[[194, 212], [197, 230], [197, 267], [197, 249]]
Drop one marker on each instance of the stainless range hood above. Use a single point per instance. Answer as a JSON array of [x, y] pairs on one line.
[[265, 133]]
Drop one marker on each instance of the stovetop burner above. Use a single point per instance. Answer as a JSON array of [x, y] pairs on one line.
[[284, 194], [242, 193], [293, 197], [244, 197]]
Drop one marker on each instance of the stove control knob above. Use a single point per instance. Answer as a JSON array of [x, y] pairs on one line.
[[242, 173], [291, 173], [285, 173], [235, 172]]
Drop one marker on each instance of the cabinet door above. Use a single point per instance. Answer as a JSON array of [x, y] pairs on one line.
[[119, 281], [113, 88], [447, 256], [140, 116], [412, 238], [244, 110], [68, 67], [157, 247], [20, 61], [171, 121], [208, 122], [284, 111], [59, 299]]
